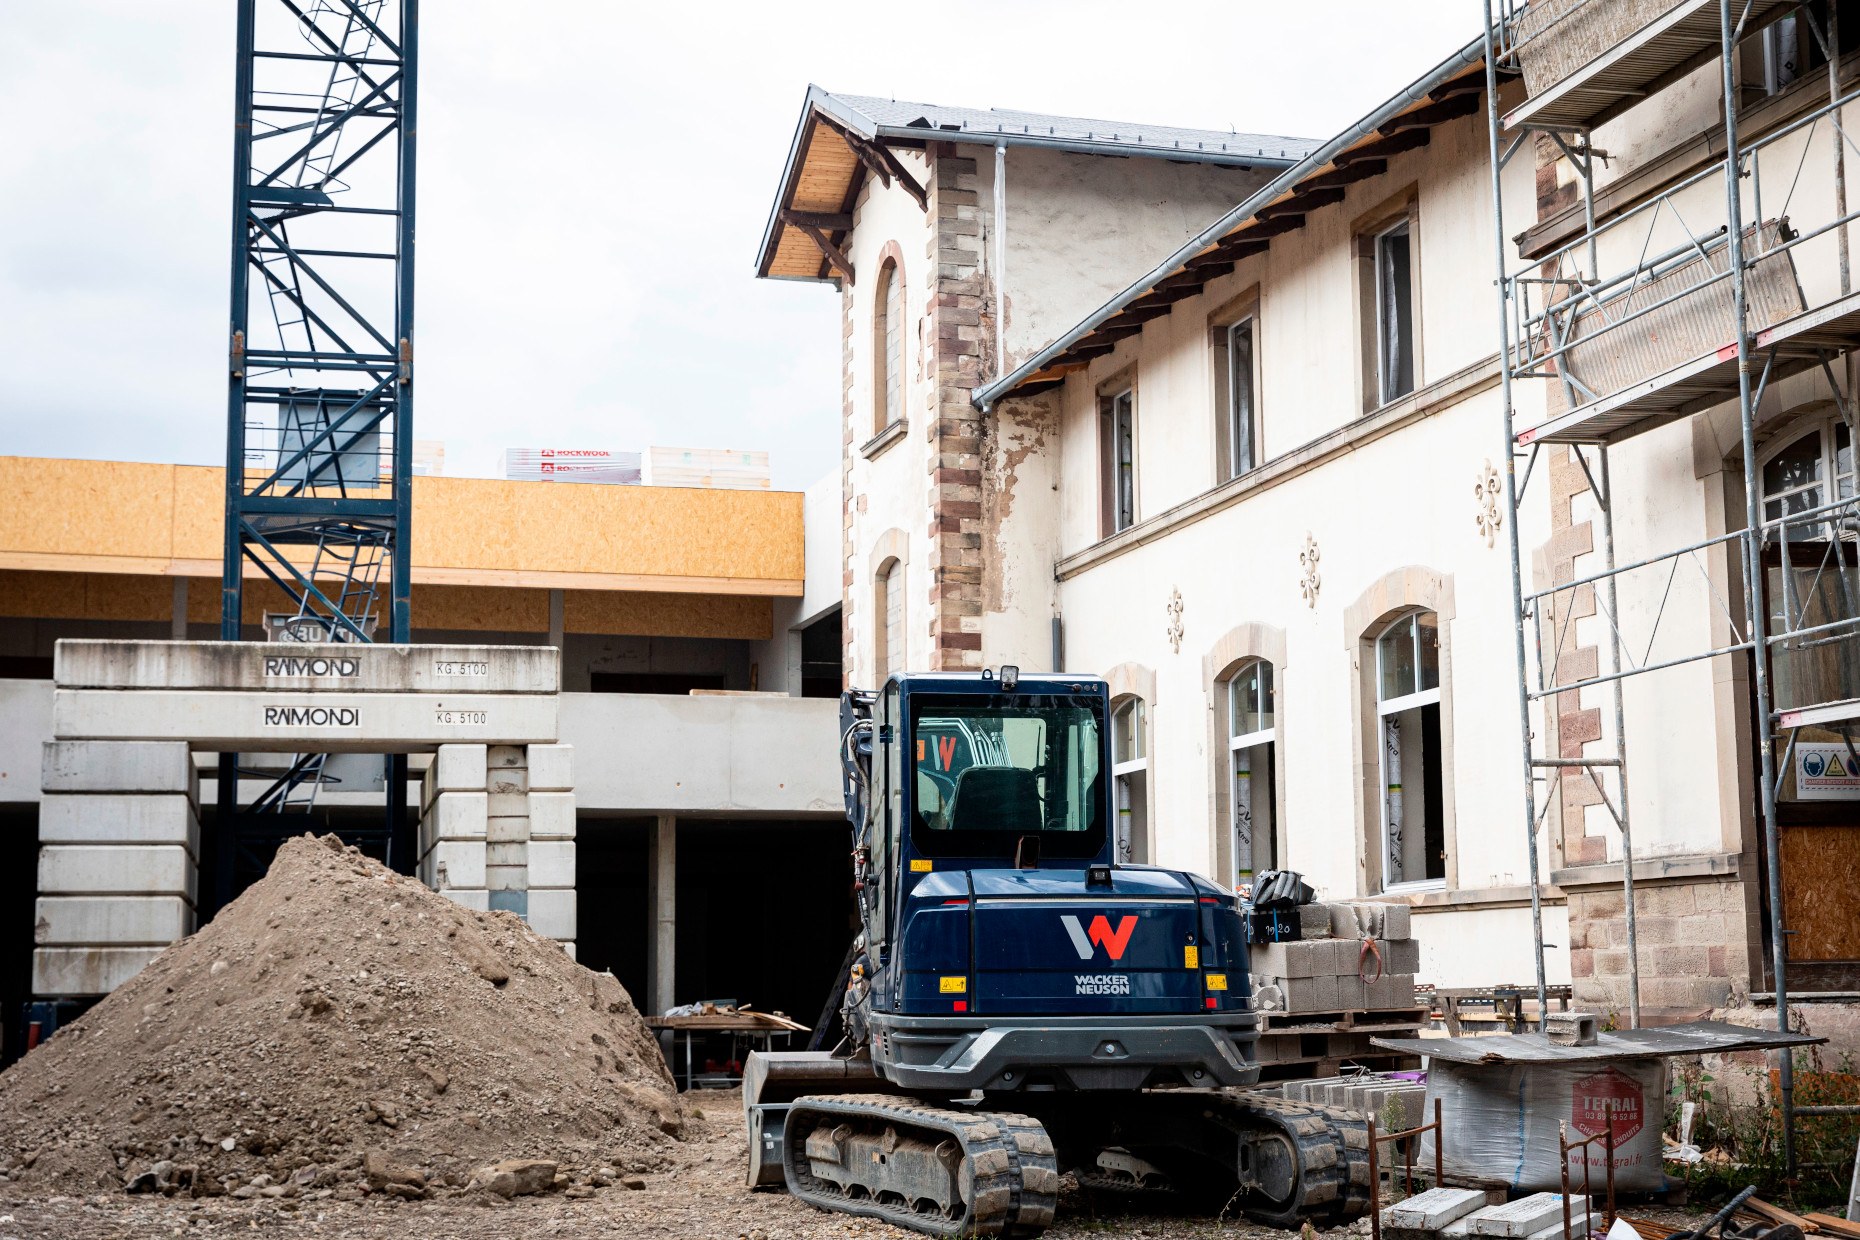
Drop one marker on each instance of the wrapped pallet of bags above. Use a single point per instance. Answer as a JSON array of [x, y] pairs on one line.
[[1502, 1122]]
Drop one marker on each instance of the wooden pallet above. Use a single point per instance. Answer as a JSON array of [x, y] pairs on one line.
[[1371, 1020]]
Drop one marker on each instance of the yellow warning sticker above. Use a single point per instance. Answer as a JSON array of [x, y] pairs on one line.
[[1215, 981], [1191, 957], [920, 866], [952, 985]]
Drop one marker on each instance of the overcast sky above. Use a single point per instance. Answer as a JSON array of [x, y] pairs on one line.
[[594, 178]]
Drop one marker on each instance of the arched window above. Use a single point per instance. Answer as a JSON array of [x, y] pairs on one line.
[[888, 348], [1414, 846], [1130, 772], [888, 618], [1252, 756]]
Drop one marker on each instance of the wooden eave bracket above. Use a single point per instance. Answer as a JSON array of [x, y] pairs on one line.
[[836, 258], [881, 160]]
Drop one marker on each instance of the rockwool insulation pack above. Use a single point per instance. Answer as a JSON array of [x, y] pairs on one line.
[[1502, 1122]]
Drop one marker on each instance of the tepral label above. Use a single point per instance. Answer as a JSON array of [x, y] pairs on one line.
[[1594, 1099]]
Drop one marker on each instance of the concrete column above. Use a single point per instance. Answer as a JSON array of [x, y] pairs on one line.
[[119, 851], [177, 628], [662, 900], [552, 896], [453, 825], [555, 619]]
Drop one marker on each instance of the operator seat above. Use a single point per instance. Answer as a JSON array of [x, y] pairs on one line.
[[996, 798]]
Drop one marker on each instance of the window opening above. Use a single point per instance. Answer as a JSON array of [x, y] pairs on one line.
[[1252, 744], [1395, 312], [1408, 719], [1130, 768]]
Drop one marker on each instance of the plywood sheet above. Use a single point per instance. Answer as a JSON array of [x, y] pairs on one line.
[[86, 507], [480, 609], [637, 614], [1821, 891]]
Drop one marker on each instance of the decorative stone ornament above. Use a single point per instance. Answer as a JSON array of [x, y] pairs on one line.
[[1175, 620], [1309, 583], [1485, 493]]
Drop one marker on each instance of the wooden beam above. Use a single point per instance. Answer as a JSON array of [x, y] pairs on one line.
[[835, 257], [825, 221], [1348, 174], [883, 162], [1433, 113], [1228, 253], [1394, 144], [1471, 84]]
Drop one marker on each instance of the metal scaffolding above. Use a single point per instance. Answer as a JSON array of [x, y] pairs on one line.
[[1694, 313], [320, 365]]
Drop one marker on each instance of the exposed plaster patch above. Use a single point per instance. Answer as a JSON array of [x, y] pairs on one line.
[[1016, 430]]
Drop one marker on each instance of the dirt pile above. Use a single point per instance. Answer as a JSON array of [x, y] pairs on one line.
[[334, 1011]]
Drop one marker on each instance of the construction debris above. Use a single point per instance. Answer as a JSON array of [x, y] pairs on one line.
[[340, 1030]]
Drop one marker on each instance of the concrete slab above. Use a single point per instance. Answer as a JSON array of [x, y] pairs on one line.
[[117, 869], [119, 818], [253, 722], [552, 863], [552, 814], [552, 768], [457, 864], [506, 877], [115, 921], [457, 816], [508, 853], [384, 668], [1433, 1209], [506, 830], [1524, 1217], [505, 781], [117, 766], [506, 804], [1578, 1224], [552, 913], [459, 768], [72, 972]]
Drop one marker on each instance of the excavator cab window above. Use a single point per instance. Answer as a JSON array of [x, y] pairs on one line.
[[993, 770]]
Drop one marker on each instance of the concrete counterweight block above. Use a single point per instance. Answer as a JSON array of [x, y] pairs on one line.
[[552, 863], [457, 864], [74, 972], [111, 921], [552, 913], [459, 768], [552, 815], [117, 869], [119, 818], [552, 768], [458, 816], [118, 766]]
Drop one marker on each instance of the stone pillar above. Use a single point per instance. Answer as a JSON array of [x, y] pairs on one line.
[[119, 861], [453, 815], [662, 903], [552, 901]]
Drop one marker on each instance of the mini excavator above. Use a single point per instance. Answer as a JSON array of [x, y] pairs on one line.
[[1017, 1005]]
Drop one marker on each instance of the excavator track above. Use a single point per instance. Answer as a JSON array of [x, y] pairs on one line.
[[1329, 1173], [938, 1170]]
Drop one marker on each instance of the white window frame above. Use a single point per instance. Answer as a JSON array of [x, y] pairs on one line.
[[1237, 741], [1385, 707], [1136, 711], [1234, 466], [1829, 479], [1384, 372], [1120, 416]]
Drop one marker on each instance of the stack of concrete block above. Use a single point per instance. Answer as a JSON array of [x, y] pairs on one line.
[[1335, 975], [497, 832], [1462, 1214], [552, 908], [1366, 1093], [454, 812], [119, 861]]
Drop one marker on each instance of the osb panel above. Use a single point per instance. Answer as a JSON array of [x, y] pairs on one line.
[[1821, 873], [155, 515], [199, 513], [473, 607], [85, 596], [626, 613], [86, 507], [569, 528]]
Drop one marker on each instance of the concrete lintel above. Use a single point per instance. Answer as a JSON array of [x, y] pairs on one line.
[[253, 722], [341, 668]]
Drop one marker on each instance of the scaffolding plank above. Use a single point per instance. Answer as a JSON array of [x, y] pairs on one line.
[[1633, 68], [1820, 716], [1704, 381]]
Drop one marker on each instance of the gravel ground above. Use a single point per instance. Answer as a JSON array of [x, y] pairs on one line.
[[701, 1197]]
